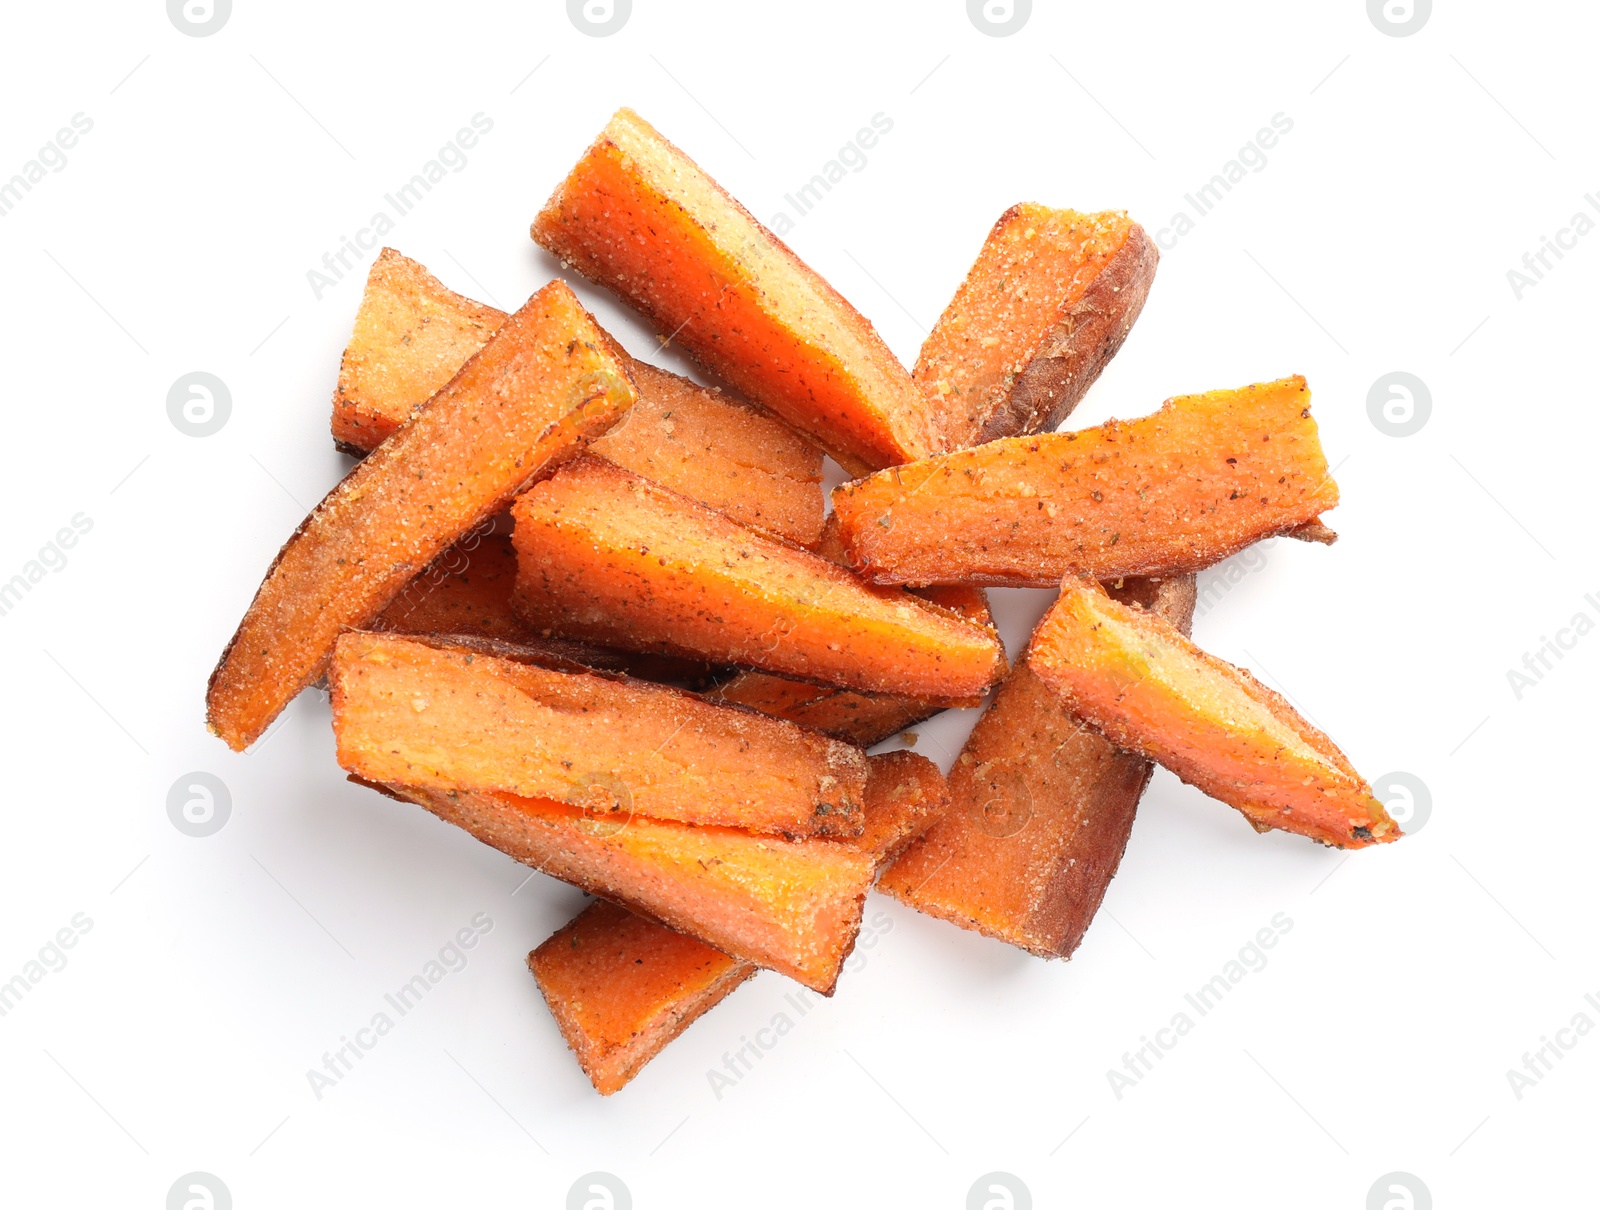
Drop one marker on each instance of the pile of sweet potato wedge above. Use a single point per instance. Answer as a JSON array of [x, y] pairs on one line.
[[601, 617]]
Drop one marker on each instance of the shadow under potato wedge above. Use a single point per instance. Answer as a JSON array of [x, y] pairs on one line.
[[1045, 307], [608, 557], [1150, 690], [793, 906], [440, 715], [639, 216], [621, 987], [412, 334], [1041, 807], [1172, 492], [544, 385]]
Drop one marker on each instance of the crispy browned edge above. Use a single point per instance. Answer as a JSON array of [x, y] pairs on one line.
[[1080, 344]]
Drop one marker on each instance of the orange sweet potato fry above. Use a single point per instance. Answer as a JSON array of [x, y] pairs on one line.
[[607, 557], [639, 216], [412, 335], [1150, 690], [467, 592], [793, 906], [543, 386], [1041, 809], [443, 716], [1173, 492], [863, 719], [1044, 309], [621, 987]]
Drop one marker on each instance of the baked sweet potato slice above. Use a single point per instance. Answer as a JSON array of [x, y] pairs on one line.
[[1171, 493], [1041, 809], [793, 906], [621, 987], [1149, 690], [1044, 308], [431, 714], [412, 335], [608, 557], [543, 386], [863, 719], [467, 592], [639, 216]]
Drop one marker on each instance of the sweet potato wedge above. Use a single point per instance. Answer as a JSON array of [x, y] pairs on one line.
[[543, 386], [467, 592], [1045, 307], [621, 987], [1041, 809], [863, 719], [449, 717], [793, 906], [639, 216], [608, 557], [412, 335], [1150, 690], [1170, 493]]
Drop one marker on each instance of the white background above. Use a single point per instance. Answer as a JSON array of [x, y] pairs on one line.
[[217, 971]]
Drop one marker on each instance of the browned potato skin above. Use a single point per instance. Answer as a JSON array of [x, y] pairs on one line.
[[857, 718], [1041, 810], [1070, 354]]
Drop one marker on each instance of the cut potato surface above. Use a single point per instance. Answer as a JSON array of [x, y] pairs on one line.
[[793, 906], [1150, 690], [608, 557], [621, 987], [544, 385], [1171, 493], [640, 217], [1045, 307], [426, 713], [412, 335], [1041, 809]]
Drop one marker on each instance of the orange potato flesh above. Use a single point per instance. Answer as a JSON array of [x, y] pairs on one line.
[[1171, 493], [1045, 307], [542, 387], [621, 987], [412, 335], [1041, 809], [467, 592], [1150, 690], [863, 719], [424, 713], [607, 557], [640, 217], [793, 906]]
